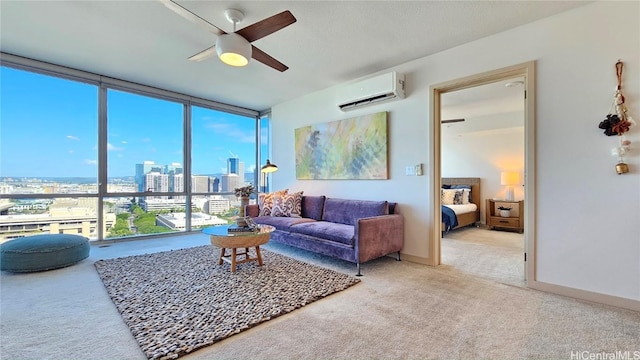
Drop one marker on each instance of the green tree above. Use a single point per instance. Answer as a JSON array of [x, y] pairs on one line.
[[146, 224], [120, 228], [136, 209]]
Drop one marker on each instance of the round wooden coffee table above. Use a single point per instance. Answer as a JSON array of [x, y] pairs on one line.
[[238, 240]]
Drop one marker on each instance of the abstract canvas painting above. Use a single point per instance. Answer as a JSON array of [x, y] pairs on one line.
[[354, 148]]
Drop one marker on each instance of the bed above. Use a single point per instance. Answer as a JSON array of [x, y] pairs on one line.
[[455, 216]]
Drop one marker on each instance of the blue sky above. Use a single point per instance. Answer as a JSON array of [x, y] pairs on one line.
[[48, 127]]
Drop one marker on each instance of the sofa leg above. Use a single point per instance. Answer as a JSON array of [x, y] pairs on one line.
[[358, 266], [398, 256]]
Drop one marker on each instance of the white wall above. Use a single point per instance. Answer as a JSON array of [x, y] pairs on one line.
[[586, 216]]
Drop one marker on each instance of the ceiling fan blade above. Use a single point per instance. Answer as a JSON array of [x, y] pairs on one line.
[[185, 13], [204, 54], [266, 59], [267, 26]]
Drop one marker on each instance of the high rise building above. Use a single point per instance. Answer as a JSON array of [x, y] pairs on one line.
[[177, 180], [173, 168], [230, 182], [173, 172], [156, 182], [170, 178], [241, 181], [235, 166], [199, 183], [214, 184], [143, 169]]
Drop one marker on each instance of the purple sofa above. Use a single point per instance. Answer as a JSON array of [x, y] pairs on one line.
[[351, 230]]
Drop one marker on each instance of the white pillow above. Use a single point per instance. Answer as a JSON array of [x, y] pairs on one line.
[[466, 196]]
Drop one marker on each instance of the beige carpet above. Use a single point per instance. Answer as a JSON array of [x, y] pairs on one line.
[[491, 254], [176, 302], [399, 310]]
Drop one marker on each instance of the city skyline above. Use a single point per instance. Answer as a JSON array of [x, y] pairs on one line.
[[170, 177], [54, 124]]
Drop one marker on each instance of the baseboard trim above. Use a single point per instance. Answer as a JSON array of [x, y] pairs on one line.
[[586, 295], [414, 259], [595, 297]]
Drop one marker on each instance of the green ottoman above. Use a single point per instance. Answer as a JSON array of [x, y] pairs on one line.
[[43, 252]]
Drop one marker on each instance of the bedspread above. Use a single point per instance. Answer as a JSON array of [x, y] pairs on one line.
[[449, 218]]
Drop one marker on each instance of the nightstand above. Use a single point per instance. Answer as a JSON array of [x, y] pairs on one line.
[[514, 222]]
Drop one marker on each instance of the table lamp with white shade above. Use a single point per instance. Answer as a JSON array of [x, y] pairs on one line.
[[509, 178]]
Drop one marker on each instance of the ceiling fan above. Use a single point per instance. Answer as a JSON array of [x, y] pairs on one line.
[[235, 48], [451, 121]]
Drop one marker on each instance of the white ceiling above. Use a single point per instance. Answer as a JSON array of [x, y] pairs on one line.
[[488, 108], [482, 100], [332, 42]]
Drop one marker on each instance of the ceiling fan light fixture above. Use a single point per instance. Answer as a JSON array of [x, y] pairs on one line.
[[233, 49]]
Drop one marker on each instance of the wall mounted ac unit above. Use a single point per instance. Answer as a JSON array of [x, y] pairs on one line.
[[385, 87]]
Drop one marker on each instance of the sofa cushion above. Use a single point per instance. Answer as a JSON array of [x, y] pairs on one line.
[[326, 230], [312, 206], [289, 205], [280, 223], [349, 211], [265, 201]]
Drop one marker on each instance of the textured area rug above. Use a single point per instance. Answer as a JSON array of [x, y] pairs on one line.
[[178, 301]]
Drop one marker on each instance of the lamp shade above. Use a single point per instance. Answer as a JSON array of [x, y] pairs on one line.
[[269, 167], [509, 178], [233, 49]]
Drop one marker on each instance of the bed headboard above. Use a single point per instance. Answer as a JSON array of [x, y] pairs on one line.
[[475, 187]]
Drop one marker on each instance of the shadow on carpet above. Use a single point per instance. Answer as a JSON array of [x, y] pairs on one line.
[[176, 302]]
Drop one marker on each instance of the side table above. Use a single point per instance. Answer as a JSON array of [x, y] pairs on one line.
[[514, 222], [221, 238]]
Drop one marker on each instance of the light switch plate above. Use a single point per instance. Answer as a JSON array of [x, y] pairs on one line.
[[418, 170], [410, 171]]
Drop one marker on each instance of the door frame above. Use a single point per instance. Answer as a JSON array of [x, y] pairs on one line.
[[527, 71]]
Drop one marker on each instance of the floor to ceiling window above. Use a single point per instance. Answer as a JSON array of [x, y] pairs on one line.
[[48, 154], [144, 144], [169, 163], [223, 158], [265, 141], [144, 133]]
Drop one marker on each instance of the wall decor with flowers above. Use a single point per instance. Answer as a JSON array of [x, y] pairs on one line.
[[618, 122]]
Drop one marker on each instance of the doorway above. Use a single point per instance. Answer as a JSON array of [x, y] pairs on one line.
[[526, 72], [482, 137]]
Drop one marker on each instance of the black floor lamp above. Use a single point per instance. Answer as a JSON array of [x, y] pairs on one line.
[[267, 168]]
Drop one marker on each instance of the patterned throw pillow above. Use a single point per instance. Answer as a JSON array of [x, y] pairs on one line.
[[466, 192], [450, 196], [457, 199], [289, 205], [265, 201]]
